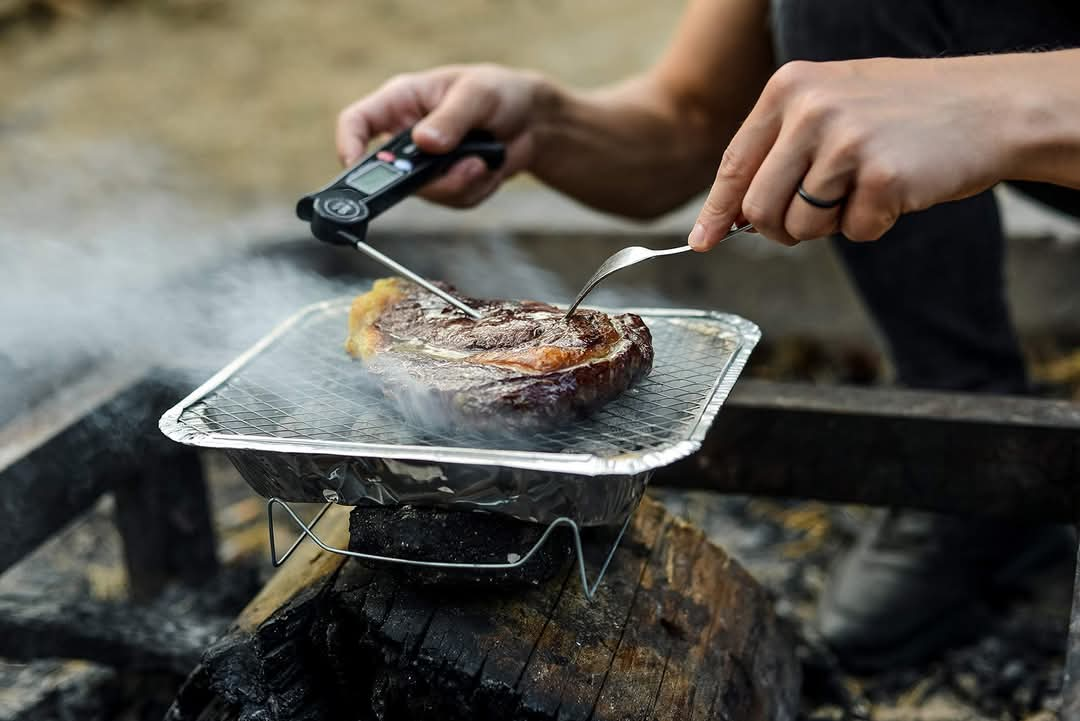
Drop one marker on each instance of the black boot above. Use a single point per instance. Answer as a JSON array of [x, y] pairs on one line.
[[910, 585]]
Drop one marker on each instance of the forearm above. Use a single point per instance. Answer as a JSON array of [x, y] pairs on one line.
[[647, 145], [622, 149], [1042, 130]]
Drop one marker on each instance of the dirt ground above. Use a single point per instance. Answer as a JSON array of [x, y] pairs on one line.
[[244, 93]]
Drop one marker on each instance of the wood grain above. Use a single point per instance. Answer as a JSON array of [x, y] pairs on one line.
[[677, 630]]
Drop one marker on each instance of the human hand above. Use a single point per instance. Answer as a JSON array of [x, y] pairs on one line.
[[445, 103], [887, 136]]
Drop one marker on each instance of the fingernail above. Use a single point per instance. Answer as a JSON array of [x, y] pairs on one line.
[[696, 239], [432, 134]]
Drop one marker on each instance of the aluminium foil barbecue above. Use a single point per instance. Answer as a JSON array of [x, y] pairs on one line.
[[303, 422]]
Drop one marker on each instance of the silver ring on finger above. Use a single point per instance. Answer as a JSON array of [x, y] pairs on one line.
[[818, 202]]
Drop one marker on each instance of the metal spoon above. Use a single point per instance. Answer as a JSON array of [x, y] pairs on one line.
[[632, 256]]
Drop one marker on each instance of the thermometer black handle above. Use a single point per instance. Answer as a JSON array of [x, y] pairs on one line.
[[385, 177]]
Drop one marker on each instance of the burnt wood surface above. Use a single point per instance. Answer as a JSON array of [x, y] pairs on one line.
[[267, 666], [115, 634], [55, 462], [56, 690], [163, 514], [951, 452], [677, 630], [97, 436]]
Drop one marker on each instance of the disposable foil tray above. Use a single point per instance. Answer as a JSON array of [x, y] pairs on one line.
[[303, 422]]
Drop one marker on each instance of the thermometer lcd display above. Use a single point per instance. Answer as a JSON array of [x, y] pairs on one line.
[[374, 177]]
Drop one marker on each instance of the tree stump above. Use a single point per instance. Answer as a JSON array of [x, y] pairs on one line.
[[677, 630]]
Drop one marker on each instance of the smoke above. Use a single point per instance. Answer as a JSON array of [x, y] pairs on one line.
[[494, 264], [108, 254]]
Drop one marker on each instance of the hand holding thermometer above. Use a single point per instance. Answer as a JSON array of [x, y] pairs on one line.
[[339, 213]]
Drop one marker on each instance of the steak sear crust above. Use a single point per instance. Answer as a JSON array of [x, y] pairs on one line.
[[520, 367]]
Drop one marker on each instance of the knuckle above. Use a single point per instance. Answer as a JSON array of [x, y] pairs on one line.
[[712, 204], [858, 232], [486, 70], [790, 77], [732, 166], [715, 206], [398, 82], [814, 106], [480, 84], [854, 226], [880, 176], [845, 144], [756, 212], [803, 231], [862, 227]]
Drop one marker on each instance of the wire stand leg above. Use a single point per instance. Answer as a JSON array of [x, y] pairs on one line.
[[307, 531]]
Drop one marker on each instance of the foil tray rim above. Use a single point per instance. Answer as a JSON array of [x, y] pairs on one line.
[[584, 464]]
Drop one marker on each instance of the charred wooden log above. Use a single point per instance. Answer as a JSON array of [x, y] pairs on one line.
[[676, 630], [267, 666], [98, 436], [54, 461], [54, 690], [115, 634], [163, 514], [425, 534]]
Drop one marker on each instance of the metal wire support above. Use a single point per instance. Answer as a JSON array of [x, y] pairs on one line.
[[307, 531]]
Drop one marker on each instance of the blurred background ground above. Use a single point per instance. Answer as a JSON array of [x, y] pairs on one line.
[[139, 139], [244, 93]]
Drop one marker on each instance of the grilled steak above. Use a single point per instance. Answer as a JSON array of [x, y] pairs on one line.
[[519, 368]]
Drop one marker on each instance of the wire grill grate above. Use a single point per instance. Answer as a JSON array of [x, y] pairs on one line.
[[298, 386]]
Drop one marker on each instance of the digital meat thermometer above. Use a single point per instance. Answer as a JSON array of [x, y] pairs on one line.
[[340, 212]]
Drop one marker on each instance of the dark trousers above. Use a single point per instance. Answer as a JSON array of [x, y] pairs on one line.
[[935, 283]]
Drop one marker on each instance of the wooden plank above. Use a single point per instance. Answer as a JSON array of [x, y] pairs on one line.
[[99, 435], [61, 409], [52, 466], [976, 409], [163, 514], [951, 452], [307, 569], [676, 630]]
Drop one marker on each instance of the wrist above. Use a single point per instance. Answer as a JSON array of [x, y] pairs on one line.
[[1039, 139], [551, 114]]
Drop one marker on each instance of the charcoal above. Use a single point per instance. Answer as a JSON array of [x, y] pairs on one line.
[[429, 534]]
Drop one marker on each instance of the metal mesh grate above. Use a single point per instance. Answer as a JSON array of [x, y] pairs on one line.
[[303, 387]]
